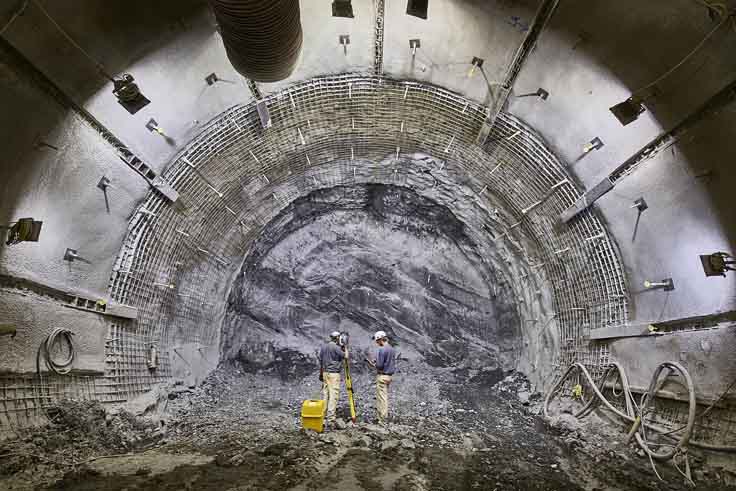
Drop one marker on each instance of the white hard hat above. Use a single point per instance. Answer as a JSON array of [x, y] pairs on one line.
[[335, 334], [379, 335]]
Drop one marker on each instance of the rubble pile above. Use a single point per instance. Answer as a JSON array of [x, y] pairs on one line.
[[449, 429], [77, 432]]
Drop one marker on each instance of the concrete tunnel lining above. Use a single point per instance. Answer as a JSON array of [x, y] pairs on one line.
[[281, 235]]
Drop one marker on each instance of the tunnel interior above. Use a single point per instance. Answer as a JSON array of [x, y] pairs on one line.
[[535, 210]]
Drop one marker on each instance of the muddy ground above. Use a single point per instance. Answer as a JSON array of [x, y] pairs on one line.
[[240, 431]]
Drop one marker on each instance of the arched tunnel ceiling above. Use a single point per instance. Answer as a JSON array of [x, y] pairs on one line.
[[343, 130], [177, 267]]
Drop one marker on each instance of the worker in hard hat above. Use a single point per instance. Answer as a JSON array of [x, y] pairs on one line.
[[330, 359], [385, 365]]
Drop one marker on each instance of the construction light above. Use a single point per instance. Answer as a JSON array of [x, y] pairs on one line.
[[417, 8], [128, 94], [342, 8], [718, 263], [628, 111], [24, 230]]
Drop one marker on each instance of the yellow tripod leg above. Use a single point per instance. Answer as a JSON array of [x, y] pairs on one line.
[[349, 387]]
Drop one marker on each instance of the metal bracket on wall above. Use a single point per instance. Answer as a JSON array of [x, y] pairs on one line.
[[417, 8], [413, 45], [476, 63], [594, 144], [344, 41], [342, 8], [264, 115], [721, 320], [640, 205], [104, 183], [540, 93], [101, 307]]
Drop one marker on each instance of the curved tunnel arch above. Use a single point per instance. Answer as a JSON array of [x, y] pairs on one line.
[[235, 177], [180, 264]]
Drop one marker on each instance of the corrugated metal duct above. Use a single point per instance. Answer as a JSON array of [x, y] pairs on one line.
[[263, 38]]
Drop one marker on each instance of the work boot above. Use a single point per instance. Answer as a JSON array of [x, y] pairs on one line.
[[340, 424]]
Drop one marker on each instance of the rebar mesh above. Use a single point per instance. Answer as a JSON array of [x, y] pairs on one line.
[[174, 265]]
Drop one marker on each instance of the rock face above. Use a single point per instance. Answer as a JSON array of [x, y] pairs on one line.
[[359, 259]]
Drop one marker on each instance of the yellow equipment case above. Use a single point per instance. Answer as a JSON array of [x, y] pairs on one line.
[[313, 415]]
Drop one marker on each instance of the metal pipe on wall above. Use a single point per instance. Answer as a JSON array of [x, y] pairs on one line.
[[262, 38]]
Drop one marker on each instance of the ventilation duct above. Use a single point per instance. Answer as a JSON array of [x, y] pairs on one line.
[[263, 38]]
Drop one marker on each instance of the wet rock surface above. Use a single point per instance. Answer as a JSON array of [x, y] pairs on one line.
[[448, 431]]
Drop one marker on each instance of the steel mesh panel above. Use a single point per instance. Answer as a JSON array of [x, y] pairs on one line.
[[171, 263]]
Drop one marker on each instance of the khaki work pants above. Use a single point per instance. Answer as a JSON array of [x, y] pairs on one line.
[[382, 383], [331, 394]]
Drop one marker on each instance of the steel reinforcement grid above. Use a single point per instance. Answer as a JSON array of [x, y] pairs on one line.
[[177, 259]]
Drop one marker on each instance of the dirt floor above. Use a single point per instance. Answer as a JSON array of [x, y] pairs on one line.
[[240, 431]]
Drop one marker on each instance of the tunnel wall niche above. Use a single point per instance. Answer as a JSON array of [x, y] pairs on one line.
[[178, 266]]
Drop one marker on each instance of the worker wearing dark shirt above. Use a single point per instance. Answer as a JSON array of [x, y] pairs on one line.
[[330, 360]]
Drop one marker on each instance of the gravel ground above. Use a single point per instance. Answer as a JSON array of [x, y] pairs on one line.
[[240, 431]]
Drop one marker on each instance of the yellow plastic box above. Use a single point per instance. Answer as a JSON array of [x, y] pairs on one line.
[[313, 415]]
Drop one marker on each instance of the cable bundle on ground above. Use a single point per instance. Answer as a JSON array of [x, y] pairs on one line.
[[636, 413]]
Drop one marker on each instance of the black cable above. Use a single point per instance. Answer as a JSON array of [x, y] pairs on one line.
[[62, 367]]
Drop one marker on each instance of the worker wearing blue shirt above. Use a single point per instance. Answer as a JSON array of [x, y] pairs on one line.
[[385, 366]]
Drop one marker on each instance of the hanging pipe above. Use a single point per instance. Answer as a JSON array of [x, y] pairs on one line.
[[262, 38]]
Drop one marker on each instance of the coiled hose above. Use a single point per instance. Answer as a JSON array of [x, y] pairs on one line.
[[61, 367], [635, 413]]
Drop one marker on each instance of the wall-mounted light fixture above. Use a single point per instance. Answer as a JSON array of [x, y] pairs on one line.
[[718, 263], [477, 63], [594, 144], [128, 94], [666, 284], [628, 111], [24, 230], [342, 8], [153, 127], [417, 8]]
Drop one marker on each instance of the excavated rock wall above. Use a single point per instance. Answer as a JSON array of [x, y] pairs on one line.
[[361, 258]]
